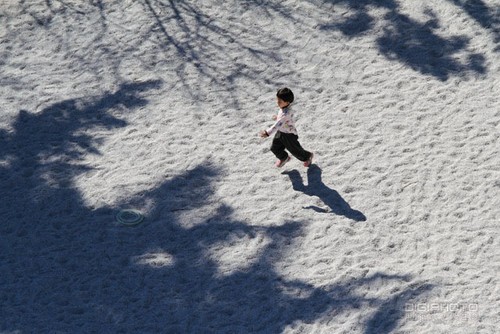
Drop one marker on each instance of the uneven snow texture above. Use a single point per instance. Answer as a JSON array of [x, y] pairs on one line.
[[156, 105]]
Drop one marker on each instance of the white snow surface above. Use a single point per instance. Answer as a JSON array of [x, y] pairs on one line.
[[155, 105]]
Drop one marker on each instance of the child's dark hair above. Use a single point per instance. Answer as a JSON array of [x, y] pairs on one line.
[[285, 94]]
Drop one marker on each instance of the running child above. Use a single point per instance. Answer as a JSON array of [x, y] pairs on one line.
[[285, 133]]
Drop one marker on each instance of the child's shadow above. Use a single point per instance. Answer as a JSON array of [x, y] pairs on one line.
[[316, 187]]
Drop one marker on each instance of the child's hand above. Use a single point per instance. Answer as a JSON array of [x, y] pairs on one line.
[[275, 117], [263, 134]]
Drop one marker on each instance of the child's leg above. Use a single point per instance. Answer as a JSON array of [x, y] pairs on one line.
[[278, 148], [291, 143]]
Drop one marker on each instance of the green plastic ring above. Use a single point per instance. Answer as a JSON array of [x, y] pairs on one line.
[[129, 217]]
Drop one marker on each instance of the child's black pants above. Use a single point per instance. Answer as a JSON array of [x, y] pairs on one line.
[[290, 142]]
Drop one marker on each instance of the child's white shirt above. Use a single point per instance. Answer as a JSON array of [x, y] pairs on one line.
[[284, 122]]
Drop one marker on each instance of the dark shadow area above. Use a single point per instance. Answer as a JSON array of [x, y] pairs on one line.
[[488, 18], [411, 42], [41, 155], [69, 268], [417, 45], [316, 187], [45, 226], [390, 313], [358, 21], [356, 25]]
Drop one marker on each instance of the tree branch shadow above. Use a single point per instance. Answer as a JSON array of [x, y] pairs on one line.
[[204, 54], [317, 188], [214, 50]]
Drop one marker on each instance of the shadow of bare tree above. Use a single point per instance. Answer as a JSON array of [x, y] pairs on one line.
[[200, 52], [217, 53]]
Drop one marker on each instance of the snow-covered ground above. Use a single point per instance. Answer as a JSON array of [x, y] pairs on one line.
[[156, 106]]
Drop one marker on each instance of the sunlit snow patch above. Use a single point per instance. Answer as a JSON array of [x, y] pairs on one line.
[[156, 260]]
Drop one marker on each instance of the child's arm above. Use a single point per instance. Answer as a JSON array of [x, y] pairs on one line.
[[275, 127], [280, 120], [263, 133]]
